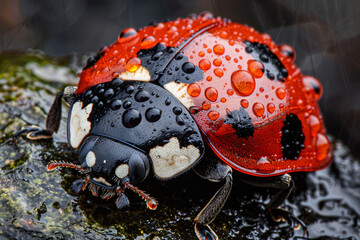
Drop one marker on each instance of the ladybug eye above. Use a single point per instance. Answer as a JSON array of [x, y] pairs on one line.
[[122, 171], [90, 159]]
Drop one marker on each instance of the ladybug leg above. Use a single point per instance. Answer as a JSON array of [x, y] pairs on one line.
[[52, 120], [214, 171], [285, 185]]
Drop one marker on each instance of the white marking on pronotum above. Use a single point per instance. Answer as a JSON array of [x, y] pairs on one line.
[[102, 180], [90, 159], [179, 90], [171, 159], [80, 126], [122, 171], [142, 74]]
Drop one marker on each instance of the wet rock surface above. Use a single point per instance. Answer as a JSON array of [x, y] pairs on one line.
[[37, 204]]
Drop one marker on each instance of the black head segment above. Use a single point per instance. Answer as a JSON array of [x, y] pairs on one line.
[[110, 167]]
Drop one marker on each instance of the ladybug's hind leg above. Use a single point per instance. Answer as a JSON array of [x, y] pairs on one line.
[[52, 120], [215, 171], [285, 185]]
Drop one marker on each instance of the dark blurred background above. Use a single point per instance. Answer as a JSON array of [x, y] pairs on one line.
[[324, 33]]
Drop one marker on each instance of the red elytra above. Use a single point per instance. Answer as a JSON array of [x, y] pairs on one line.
[[268, 102]]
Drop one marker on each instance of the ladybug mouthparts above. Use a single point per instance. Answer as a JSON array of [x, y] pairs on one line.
[[107, 191]]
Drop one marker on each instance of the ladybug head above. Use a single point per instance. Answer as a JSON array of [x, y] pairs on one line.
[[110, 167]]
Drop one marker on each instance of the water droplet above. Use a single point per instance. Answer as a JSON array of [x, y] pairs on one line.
[[177, 110], [109, 93], [312, 87], [217, 62], [129, 35], [270, 107], [281, 106], [314, 124], [230, 92], [193, 89], [148, 42], [280, 93], [129, 89], [116, 82], [167, 102], [206, 15], [218, 72], [213, 115], [322, 147], [142, 96], [116, 104], [258, 109], [153, 114], [256, 68], [219, 49], [133, 64], [211, 94], [131, 118], [223, 100], [205, 64], [224, 34], [244, 103], [180, 120], [287, 51], [209, 78], [127, 104], [201, 54], [242, 82], [188, 67], [227, 57], [206, 105]]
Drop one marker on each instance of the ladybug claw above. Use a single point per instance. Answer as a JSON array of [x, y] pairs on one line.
[[279, 214], [204, 232]]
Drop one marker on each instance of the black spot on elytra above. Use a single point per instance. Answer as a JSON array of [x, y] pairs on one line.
[[272, 63], [167, 64], [292, 139], [241, 122]]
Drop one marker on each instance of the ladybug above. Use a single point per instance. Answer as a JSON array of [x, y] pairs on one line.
[[199, 93]]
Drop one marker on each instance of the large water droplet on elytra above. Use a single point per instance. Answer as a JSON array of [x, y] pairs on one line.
[[280, 93], [211, 94], [270, 107], [313, 87], [219, 49], [242, 82], [244, 103], [133, 64], [188, 67], [193, 89], [258, 109], [287, 51], [128, 36], [314, 124], [256, 68], [322, 147], [205, 64], [218, 72], [131, 118], [206, 105], [148, 42]]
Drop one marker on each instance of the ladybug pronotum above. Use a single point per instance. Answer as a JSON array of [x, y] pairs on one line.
[[198, 93]]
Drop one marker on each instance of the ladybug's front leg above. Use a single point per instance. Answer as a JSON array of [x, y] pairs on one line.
[[52, 120], [213, 170]]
